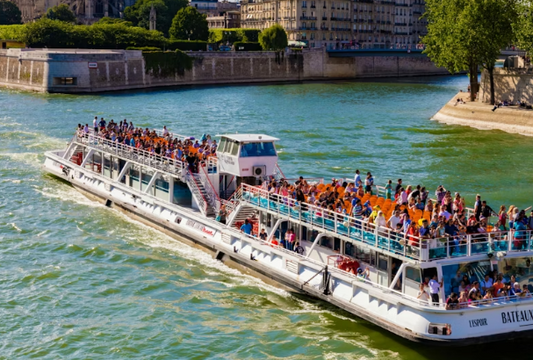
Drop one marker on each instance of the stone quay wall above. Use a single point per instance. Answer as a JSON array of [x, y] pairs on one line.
[[79, 71], [509, 84]]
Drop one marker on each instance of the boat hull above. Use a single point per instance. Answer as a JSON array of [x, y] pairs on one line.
[[274, 266]]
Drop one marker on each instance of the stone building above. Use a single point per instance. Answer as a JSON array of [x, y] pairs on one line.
[[381, 24], [225, 20], [214, 7], [87, 11]]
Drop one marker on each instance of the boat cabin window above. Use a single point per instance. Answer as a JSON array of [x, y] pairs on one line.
[[233, 148], [452, 275], [413, 274], [326, 242], [258, 149], [222, 144]]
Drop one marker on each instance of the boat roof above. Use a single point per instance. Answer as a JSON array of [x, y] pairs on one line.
[[242, 138]]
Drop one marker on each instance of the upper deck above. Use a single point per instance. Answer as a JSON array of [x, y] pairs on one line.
[[385, 240]]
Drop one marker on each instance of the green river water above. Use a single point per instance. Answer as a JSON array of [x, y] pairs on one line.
[[81, 281]]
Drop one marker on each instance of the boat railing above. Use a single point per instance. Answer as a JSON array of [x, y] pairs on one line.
[[195, 188], [278, 173], [140, 156], [388, 240], [354, 229], [212, 196]]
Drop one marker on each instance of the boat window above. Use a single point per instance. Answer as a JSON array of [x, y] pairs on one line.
[[383, 264], [412, 273], [222, 144], [326, 242], [337, 244], [234, 149], [349, 249], [258, 149], [452, 275]]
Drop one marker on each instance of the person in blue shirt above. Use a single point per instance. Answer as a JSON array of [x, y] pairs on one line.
[[357, 179], [246, 227]]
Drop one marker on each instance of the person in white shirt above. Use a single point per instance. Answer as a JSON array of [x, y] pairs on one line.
[[357, 179], [434, 289], [95, 124], [422, 293], [394, 220]]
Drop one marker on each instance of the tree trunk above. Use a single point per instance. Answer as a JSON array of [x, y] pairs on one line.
[[474, 85], [491, 75]]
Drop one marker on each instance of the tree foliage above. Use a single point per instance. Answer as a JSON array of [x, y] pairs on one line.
[[189, 24], [9, 13], [273, 38], [466, 34], [139, 13], [61, 12], [233, 35], [523, 26], [108, 20]]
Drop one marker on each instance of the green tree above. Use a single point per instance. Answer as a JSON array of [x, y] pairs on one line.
[[273, 38], [523, 26], [189, 24], [9, 13], [466, 34], [61, 12], [139, 13], [491, 24]]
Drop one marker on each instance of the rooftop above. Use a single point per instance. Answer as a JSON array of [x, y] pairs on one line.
[[242, 138]]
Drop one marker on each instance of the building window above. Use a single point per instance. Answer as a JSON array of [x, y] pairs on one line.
[[65, 81]]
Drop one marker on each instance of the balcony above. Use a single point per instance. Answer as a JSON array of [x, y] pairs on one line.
[[400, 24], [324, 28], [308, 18], [313, 6], [324, 18]]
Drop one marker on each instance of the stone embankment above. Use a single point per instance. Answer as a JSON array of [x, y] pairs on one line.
[[511, 119], [87, 71]]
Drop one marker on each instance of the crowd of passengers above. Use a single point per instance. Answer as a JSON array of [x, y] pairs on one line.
[[448, 217], [190, 151], [493, 287]]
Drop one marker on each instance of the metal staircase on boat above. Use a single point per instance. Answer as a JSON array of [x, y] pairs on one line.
[[241, 213], [201, 195]]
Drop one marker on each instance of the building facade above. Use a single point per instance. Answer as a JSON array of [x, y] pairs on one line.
[[226, 20], [341, 24], [86, 11], [214, 7]]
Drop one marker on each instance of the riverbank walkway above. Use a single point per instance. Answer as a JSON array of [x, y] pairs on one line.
[[511, 119]]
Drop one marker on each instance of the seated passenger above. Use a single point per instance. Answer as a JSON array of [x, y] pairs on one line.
[[422, 293], [463, 299], [452, 303], [363, 274]]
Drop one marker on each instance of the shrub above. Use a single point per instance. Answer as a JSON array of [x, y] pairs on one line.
[[143, 48], [58, 34], [12, 32], [168, 63], [185, 45], [247, 46], [233, 35]]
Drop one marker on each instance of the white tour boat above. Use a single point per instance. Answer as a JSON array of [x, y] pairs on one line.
[[164, 193]]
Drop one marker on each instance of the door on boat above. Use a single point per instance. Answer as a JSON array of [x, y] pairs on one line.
[[394, 267]]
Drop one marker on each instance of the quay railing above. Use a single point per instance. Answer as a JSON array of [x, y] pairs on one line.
[[139, 156]]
